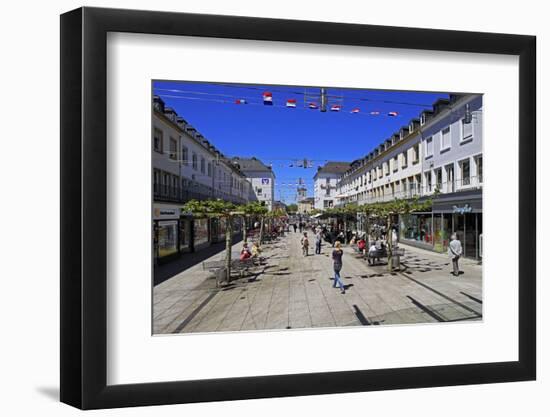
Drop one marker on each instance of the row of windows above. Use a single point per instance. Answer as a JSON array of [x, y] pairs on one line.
[[445, 138], [441, 179]]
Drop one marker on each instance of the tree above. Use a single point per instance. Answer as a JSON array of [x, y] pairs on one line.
[[292, 208], [389, 209], [255, 209], [218, 209]]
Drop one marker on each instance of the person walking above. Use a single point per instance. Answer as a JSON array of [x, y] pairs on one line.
[[294, 226], [337, 254], [305, 244], [318, 240], [455, 252]]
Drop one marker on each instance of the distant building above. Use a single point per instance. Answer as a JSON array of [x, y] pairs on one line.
[[260, 176], [279, 205], [325, 181], [306, 205]]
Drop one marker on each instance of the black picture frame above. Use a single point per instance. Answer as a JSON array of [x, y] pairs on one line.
[[84, 207]]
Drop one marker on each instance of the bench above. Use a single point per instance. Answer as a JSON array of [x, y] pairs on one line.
[[240, 266], [397, 253]]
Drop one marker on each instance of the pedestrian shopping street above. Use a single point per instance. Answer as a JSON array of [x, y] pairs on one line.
[[292, 291]]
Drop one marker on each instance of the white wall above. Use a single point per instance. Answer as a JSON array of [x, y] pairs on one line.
[[29, 309]]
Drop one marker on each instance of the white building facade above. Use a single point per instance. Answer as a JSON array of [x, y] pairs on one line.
[[325, 183], [187, 166], [261, 177], [438, 155]]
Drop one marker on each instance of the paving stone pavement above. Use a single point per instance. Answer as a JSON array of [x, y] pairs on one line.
[[292, 291]]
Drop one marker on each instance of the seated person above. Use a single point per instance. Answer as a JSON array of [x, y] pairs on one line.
[[256, 250], [245, 252]]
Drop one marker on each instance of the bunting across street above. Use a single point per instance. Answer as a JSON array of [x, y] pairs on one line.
[[268, 98], [335, 107], [291, 103], [240, 101], [355, 110], [392, 114]]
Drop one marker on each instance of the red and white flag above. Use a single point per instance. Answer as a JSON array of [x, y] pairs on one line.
[[392, 114], [355, 110], [313, 106], [335, 107], [268, 98], [240, 101], [291, 103]]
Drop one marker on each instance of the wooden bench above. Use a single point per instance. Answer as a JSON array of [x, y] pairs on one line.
[[397, 253]]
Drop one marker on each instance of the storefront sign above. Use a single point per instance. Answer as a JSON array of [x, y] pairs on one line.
[[166, 213], [461, 210], [265, 181]]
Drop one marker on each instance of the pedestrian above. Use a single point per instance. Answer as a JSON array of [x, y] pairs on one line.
[[305, 244], [455, 252], [294, 226], [337, 266], [318, 239]]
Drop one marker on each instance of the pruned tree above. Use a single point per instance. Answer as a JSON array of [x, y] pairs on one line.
[[255, 209], [387, 210], [218, 209]]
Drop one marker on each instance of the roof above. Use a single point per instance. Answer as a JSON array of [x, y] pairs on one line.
[[251, 165], [307, 200], [333, 168]]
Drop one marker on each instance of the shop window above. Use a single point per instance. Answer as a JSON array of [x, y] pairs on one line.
[[167, 238]]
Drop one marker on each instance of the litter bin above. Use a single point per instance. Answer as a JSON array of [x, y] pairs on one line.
[[397, 253]]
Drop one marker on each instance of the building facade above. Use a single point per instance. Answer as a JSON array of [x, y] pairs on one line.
[[438, 155], [306, 205], [325, 183], [260, 176], [187, 166]]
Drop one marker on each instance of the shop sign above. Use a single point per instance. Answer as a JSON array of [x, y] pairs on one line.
[[461, 210], [163, 213], [265, 181]]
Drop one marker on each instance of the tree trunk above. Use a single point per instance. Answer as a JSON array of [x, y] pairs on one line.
[[345, 230], [228, 241], [389, 244], [261, 230]]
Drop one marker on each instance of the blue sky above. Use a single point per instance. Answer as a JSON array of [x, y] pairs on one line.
[[279, 135]]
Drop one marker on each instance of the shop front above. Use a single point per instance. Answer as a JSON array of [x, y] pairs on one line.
[[171, 232], [460, 213]]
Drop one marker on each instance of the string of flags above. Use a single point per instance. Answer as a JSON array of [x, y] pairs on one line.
[[267, 98]]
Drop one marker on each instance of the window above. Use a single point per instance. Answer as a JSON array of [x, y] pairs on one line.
[[387, 167], [395, 164], [203, 165], [379, 172], [445, 139], [479, 163], [157, 140], [438, 179], [416, 153], [173, 149], [195, 163], [465, 171], [185, 155], [429, 147], [467, 130], [209, 169], [428, 179], [404, 160]]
